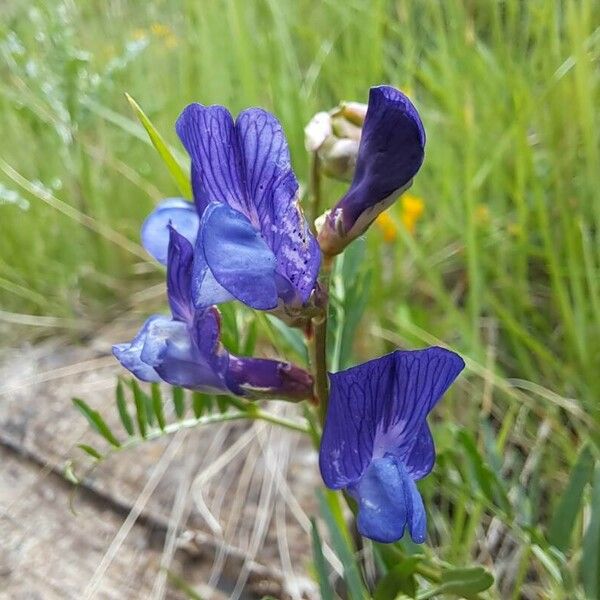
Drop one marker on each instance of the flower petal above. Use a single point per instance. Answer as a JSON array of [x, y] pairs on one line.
[[380, 407], [391, 151], [272, 189], [208, 134], [236, 256], [264, 378], [390, 154], [421, 459], [388, 501], [180, 214], [128, 354], [170, 349], [179, 275]]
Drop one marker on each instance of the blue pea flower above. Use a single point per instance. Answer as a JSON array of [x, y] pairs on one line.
[[391, 151], [376, 442], [185, 350], [251, 241]]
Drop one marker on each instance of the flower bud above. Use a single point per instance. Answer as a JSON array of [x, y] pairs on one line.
[[335, 137], [381, 159]]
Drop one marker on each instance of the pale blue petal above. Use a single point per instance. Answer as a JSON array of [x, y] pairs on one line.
[[180, 214]]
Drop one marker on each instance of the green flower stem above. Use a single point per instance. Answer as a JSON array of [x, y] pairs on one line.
[[318, 353], [315, 191], [252, 414]]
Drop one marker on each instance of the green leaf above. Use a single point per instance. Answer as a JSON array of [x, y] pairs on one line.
[[569, 505], [97, 422], [349, 292], [140, 408], [590, 557], [399, 579], [250, 338], [179, 176], [179, 402], [320, 565], [487, 480], [222, 403], [157, 405], [201, 403], [287, 338], [329, 504], [91, 451], [463, 582], [122, 408], [69, 473]]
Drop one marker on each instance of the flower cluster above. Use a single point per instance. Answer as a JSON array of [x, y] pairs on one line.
[[244, 238]]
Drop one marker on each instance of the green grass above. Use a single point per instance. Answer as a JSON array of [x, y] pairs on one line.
[[505, 263]]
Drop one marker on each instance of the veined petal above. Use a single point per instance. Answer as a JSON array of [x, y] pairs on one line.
[[208, 134], [180, 214], [128, 354], [379, 408], [236, 256], [388, 501], [272, 192], [179, 275], [246, 166]]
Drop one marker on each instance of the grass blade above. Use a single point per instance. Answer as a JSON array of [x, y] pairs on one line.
[[590, 558], [177, 173], [341, 546], [568, 507], [320, 565]]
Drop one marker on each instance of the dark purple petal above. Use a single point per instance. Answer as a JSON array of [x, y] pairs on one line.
[[391, 151], [379, 408], [262, 378], [208, 134], [237, 257], [180, 214], [128, 354], [388, 501], [179, 276]]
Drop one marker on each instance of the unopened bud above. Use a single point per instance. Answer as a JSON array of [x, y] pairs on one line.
[[335, 137]]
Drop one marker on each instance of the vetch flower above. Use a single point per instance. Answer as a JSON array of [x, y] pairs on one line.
[[185, 350], [376, 442], [252, 242], [390, 153]]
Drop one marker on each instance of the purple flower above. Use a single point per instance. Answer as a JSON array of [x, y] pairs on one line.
[[376, 441], [251, 241], [185, 350], [391, 152]]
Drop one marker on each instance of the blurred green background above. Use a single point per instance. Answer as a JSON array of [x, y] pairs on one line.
[[503, 264]]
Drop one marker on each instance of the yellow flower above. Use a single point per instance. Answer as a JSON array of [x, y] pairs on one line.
[[138, 34], [482, 214], [161, 30], [412, 209], [387, 226]]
